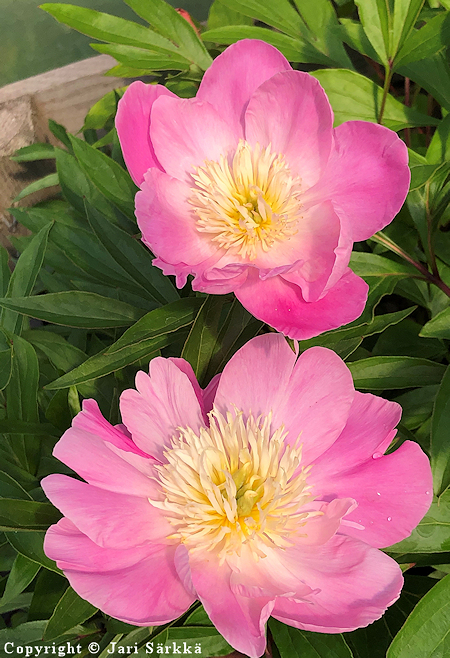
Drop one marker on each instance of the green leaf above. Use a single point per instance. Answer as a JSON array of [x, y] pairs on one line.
[[355, 97], [5, 272], [352, 33], [439, 149], [21, 401], [170, 24], [61, 353], [107, 175], [21, 635], [280, 15], [417, 405], [426, 631], [294, 643], [48, 590], [26, 515], [294, 49], [440, 445], [132, 256], [76, 309], [433, 74], [36, 186], [105, 27], [439, 326], [406, 14], [34, 152], [31, 546], [391, 372], [432, 535], [375, 18], [22, 573], [369, 265], [70, 611], [9, 487], [199, 346], [426, 42], [103, 110], [152, 332], [141, 58], [211, 642], [24, 277], [220, 16]]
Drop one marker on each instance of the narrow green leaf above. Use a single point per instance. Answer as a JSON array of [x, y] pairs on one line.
[[103, 110], [61, 353], [439, 149], [391, 372], [26, 515], [439, 326], [48, 590], [43, 183], [294, 643], [22, 573], [9, 487], [211, 642], [141, 58], [21, 401], [107, 175], [76, 309], [152, 332], [5, 272], [221, 16], [108, 28], [280, 15], [355, 97], [433, 74], [352, 33], [426, 631], [132, 256], [406, 13], [169, 23], [294, 49], [375, 18], [31, 545], [34, 152], [24, 277], [440, 445], [426, 42], [199, 346], [364, 265], [70, 611]]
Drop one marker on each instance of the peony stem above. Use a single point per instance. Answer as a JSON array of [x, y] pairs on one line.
[[387, 84]]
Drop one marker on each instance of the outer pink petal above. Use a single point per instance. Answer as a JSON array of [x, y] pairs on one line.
[[240, 619], [109, 519], [164, 401], [354, 585], [145, 594], [233, 77], [209, 393], [187, 132], [256, 377], [316, 402], [393, 492], [168, 225], [280, 304], [291, 112], [133, 127], [73, 550], [367, 176]]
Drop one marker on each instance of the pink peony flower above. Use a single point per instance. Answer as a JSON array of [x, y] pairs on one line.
[[265, 494], [248, 187]]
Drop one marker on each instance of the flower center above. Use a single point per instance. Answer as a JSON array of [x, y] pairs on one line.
[[248, 201], [235, 482]]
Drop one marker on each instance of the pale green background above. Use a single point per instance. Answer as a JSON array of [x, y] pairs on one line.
[[32, 42]]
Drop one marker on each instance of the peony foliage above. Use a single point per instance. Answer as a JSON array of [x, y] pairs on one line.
[[265, 151]]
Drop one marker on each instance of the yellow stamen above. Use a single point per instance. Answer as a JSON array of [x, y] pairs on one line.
[[247, 201]]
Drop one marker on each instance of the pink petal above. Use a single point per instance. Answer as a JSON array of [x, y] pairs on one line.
[[73, 550], [133, 127], [315, 403], [367, 176], [240, 619], [291, 112], [164, 401], [234, 76], [393, 493], [209, 393], [222, 278], [186, 368], [353, 583], [256, 377], [145, 594], [281, 305], [109, 519], [187, 132], [319, 529], [168, 225]]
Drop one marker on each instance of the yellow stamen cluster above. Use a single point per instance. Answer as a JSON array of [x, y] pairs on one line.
[[232, 483], [247, 201]]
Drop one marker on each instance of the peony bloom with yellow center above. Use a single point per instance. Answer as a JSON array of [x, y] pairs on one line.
[[267, 493], [248, 188]]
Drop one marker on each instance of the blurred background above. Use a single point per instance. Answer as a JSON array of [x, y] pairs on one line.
[[32, 42]]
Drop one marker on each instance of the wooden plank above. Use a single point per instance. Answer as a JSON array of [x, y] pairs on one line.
[[65, 95]]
